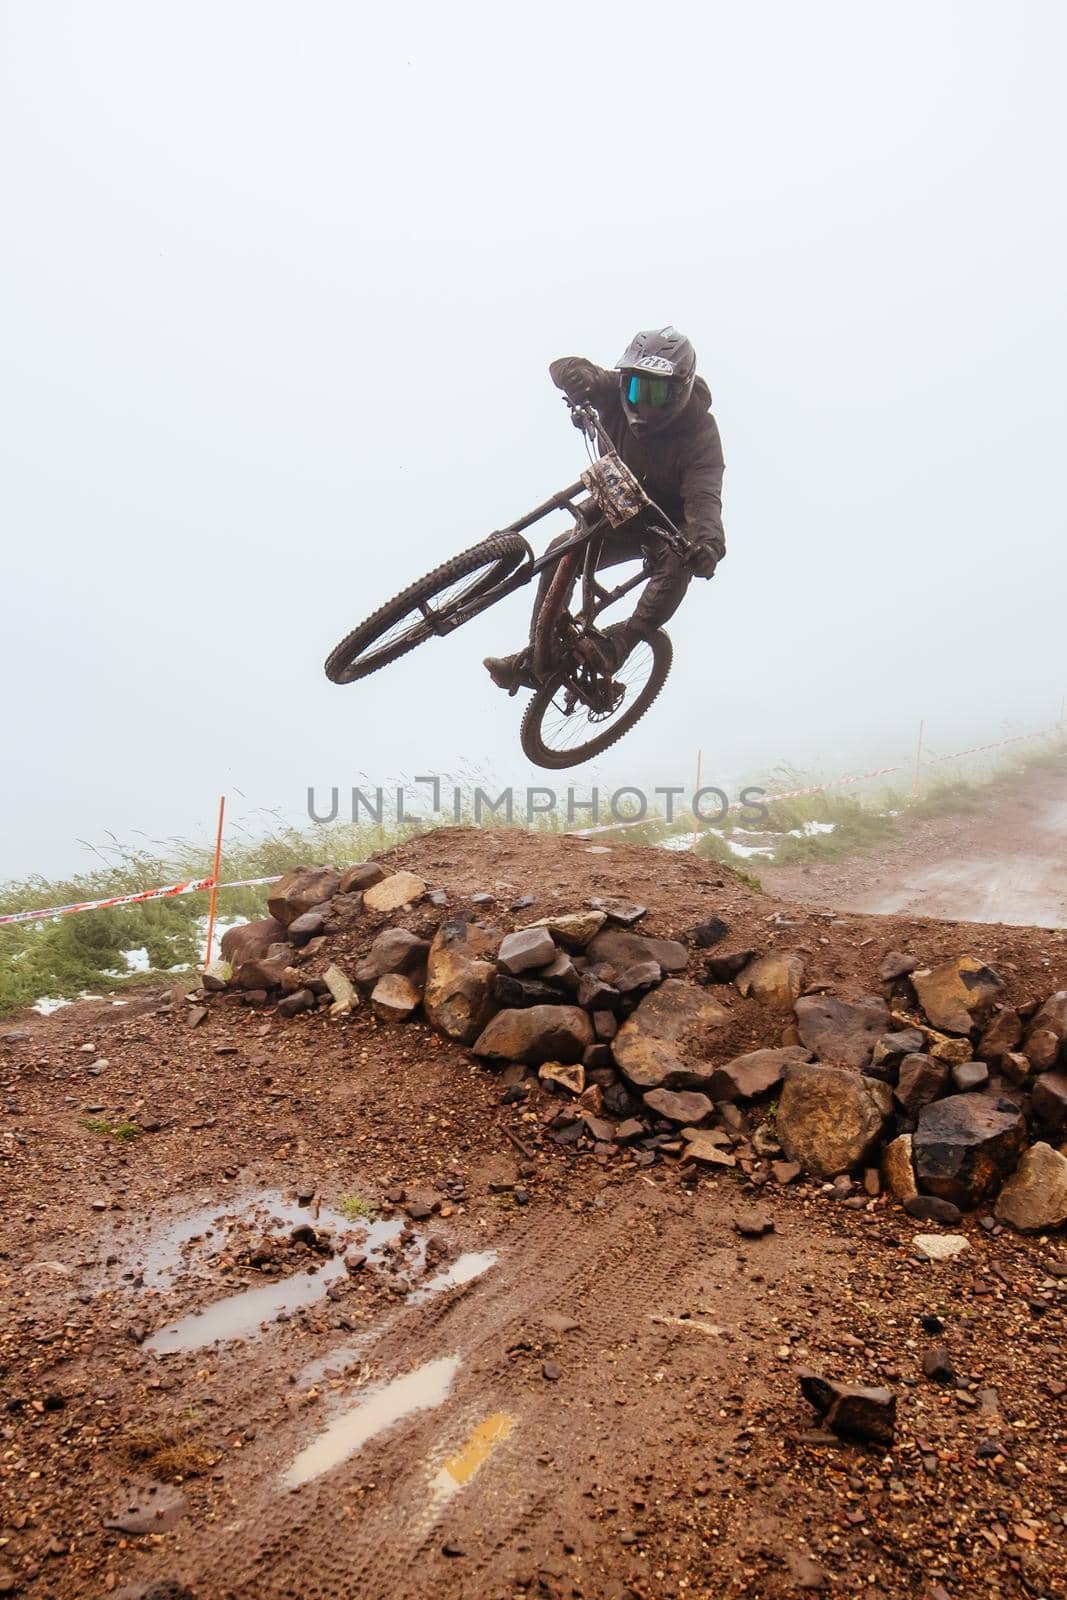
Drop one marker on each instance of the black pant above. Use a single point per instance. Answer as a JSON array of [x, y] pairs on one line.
[[662, 594]]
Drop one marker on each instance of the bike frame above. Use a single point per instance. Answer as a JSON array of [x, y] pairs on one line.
[[595, 598]]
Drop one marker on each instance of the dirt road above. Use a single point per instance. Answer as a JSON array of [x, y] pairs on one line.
[[1005, 864], [555, 1373]]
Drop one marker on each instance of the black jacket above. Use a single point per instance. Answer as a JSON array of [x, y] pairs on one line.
[[680, 467]]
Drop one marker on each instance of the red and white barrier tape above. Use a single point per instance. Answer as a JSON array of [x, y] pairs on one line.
[[189, 887], [192, 886]]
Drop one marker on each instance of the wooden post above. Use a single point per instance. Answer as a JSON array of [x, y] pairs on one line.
[[918, 764], [215, 881], [696, 791]]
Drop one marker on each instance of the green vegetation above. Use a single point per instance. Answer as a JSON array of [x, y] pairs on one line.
[[355, 1209], [123, 1131]]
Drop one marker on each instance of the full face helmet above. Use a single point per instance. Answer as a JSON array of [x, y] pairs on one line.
[[656, 377]]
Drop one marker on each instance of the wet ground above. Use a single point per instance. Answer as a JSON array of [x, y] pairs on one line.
[[1007, 863], [328, 1330]]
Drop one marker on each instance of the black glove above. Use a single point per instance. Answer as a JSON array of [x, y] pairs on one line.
[[576, 376], [703, 561]]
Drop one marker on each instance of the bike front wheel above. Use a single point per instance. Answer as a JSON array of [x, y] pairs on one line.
[[559, 730], [426, 608]]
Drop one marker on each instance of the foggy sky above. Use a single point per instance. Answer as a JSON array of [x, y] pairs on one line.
[[280, 284]]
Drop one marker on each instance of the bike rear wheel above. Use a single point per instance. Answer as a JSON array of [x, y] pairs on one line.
[[554, 736], [423, 608]]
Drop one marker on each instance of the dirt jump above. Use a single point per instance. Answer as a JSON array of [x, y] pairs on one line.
[[528, 1217]]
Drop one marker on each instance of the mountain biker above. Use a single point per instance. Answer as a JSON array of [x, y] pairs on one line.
[[655, 410]]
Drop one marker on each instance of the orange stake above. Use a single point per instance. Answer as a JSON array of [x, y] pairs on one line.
[[215, 881]]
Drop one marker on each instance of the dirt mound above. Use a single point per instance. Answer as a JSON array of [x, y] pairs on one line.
[[360, 1296]]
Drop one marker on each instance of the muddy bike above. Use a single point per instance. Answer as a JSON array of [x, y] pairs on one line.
[[580, 707]]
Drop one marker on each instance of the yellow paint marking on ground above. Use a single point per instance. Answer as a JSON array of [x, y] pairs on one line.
[[459, 1469]]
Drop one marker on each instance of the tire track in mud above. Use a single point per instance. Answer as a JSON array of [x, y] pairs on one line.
[[369, 1526]]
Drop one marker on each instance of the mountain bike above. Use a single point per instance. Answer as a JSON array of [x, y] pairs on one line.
[[579, 707]]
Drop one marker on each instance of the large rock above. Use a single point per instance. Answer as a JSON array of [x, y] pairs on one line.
[[1001, 1034], [301, 890], [535, 1035], [575, 929], [1050, 1100], [965, 1145], [664, 1044], [458, 997], [920, 1080], [398, 889], [890, 1050], [266, 973], [957, 994], [853, 1411], [249, 941], [622, 949], [753, 1074], [679, 1105], [1034, 1199], [775, 979], [1046, 1033], [830, 1118], [525, 951], [394, 950], [843, 1032]]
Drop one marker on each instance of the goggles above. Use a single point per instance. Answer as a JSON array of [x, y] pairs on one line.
[[652, 391]]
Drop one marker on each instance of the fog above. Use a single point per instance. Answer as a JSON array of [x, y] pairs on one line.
[[280, 288]]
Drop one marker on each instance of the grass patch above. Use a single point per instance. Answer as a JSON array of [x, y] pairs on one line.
[[123, 1131], [171, 1453], [354, 1208]]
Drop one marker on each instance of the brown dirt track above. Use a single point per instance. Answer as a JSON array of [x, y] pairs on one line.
[[670, 1456]]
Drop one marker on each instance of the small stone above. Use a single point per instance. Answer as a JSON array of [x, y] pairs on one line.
[[705, 1144], [897, 1168], [896, 965], [785, 1171], [931, 1208], [551, 1371], [753, 1224], [364, 875], [622, 912], [937, 1364], [970, 1075], [919, 1081], [345, 998], [725, 968], [850, 1410], [399, 889], [842, 1032], [576, 929], [395, 997], [709, 933], [683, 1105], [196, 1015], [570, 1078], [774, 980], [755, 1073], [1049, 1100], [939, 1246]]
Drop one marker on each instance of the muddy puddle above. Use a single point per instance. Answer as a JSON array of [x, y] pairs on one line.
[[380, 1408], [338, 1363], [196, 1242], [459, 1469]]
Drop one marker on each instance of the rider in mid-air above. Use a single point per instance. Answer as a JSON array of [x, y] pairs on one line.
[[656, 412]]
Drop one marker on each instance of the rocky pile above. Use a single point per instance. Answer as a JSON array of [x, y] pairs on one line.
[[935, 1086]]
